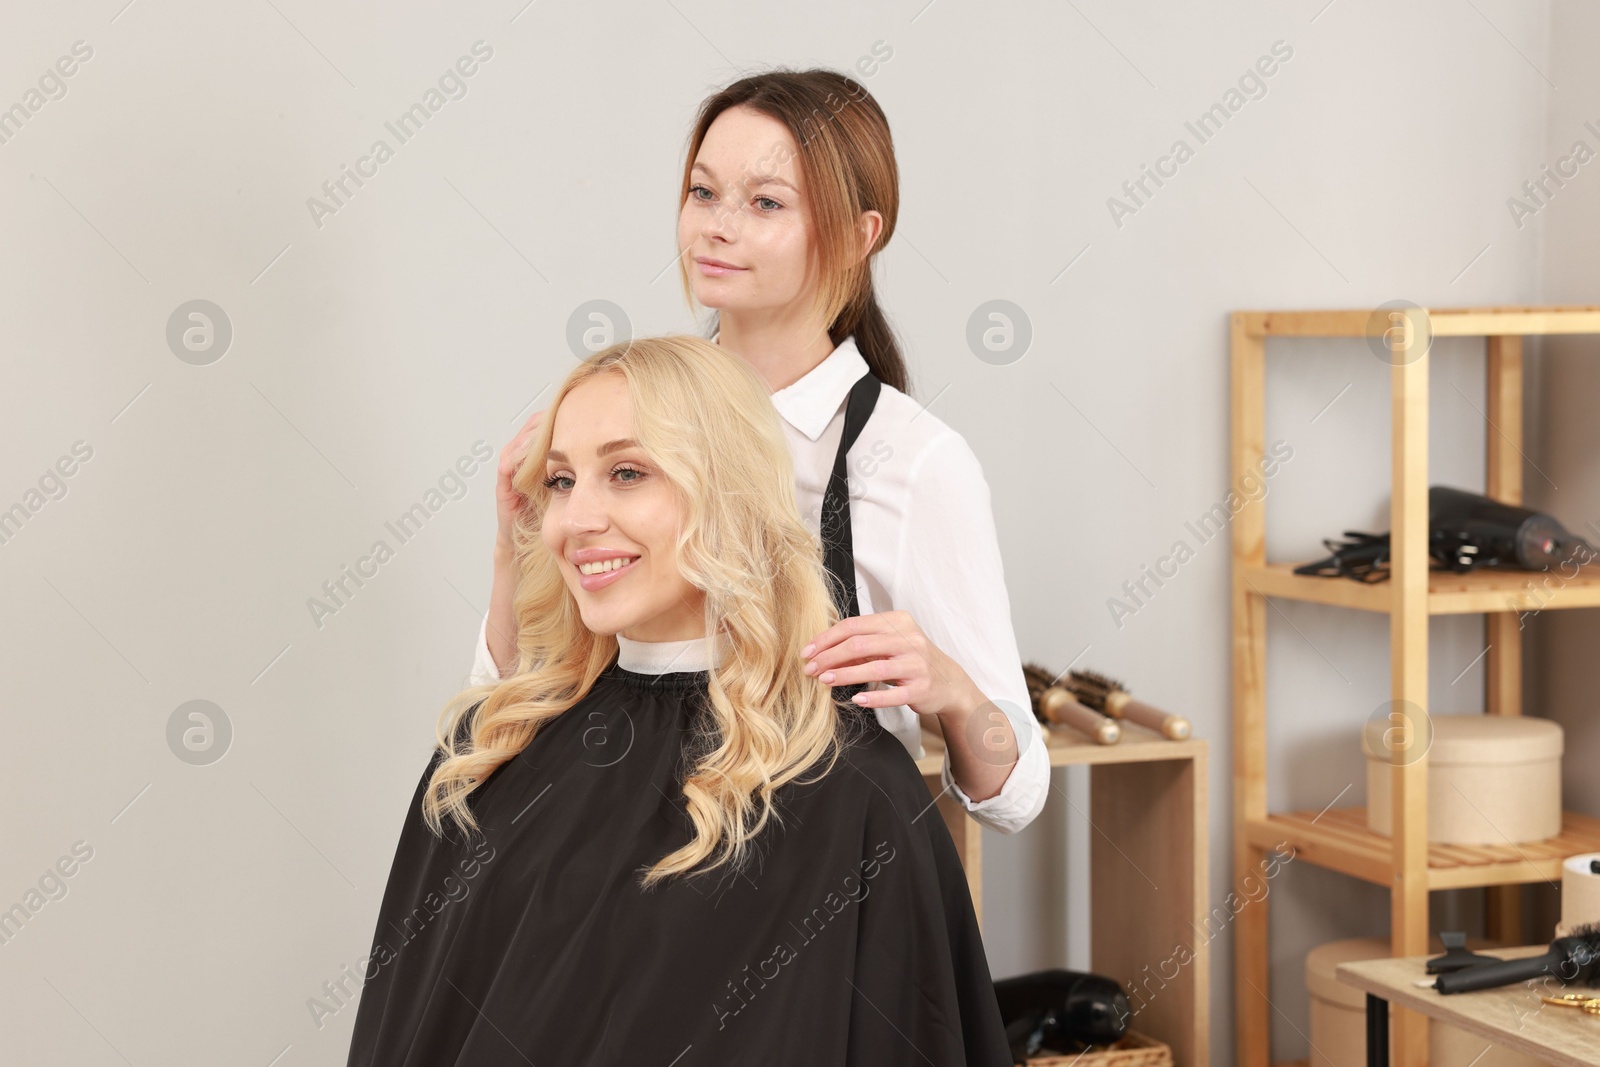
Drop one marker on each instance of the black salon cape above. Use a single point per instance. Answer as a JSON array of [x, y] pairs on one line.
[[851, 941]]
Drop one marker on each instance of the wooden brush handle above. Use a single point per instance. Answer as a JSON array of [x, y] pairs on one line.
[[1119, 705], [1060, 706]]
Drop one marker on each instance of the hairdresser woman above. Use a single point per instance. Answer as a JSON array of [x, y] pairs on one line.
[[790, 188]]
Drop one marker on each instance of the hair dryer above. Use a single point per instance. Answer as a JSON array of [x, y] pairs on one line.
[[1059, 1010], [1503, 533]]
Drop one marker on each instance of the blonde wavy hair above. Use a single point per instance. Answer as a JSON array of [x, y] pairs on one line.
[[707, 423]]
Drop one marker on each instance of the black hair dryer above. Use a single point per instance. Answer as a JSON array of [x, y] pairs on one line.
[[1060, 1010], [1496, 533]]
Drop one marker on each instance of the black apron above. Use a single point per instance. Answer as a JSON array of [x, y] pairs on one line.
[[838, 541]]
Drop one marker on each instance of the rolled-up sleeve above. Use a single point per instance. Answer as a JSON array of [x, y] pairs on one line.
[[1020, 799], [951, 581]]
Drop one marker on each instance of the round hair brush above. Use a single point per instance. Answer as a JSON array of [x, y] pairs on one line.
[[1053, 704], [1571, 959], [1110, 696]]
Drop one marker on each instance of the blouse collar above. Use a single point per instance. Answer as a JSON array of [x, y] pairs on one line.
[[811, 403], [663, 657]]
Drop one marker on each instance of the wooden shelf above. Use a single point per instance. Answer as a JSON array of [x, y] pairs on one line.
[[1068, 747], [1406, 864], [1445, 322], [1339, 840], [1485, 590], [1148, 863]]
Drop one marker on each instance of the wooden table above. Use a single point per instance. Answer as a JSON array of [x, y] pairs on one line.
[[1512, 1015], [1147, 873]]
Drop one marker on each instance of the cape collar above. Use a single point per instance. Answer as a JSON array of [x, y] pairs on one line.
[[663, 657]]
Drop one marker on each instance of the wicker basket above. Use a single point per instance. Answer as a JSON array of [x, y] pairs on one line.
[[1133, 1050]]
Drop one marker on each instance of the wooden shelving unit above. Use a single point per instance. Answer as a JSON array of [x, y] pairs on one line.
[[1148, 872], [1339, 839]]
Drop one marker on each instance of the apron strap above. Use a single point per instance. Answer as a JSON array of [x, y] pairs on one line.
[[838, 540]]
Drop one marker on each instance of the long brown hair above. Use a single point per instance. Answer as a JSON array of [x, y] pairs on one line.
[[847, 157]]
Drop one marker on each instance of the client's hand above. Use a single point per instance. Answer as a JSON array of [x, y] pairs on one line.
[[501, 631], [891, 647], [509, 502]]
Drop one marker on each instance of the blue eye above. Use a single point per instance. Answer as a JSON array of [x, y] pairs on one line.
[[768, 200], [553, 482]]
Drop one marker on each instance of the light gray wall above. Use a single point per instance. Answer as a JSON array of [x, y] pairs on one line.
[[371, 352]]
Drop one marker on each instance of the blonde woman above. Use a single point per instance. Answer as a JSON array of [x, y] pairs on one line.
[[789, 190], [667, 843]]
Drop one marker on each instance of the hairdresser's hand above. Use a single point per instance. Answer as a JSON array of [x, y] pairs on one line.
[[508, 502], [979, 741], [890, 647]]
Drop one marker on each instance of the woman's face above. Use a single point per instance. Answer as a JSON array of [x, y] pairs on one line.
[[745, 230], [609, 503]]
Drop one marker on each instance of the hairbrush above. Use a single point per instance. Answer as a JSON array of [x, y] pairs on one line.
[[1054, 704], [1112, 697]]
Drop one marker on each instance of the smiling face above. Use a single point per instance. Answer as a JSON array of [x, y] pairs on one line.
[[745, 229], [613, 512]]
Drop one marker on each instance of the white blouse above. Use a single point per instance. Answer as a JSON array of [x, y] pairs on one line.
[[924, 542]]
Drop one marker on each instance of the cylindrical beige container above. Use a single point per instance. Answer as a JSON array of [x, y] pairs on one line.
[[1339, 1017], [1492, 779], [1580, 893]]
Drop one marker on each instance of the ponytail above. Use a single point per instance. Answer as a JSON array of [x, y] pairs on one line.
[[874, 338]]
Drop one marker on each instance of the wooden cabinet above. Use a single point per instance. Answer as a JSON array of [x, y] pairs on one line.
[[1148, 872]]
